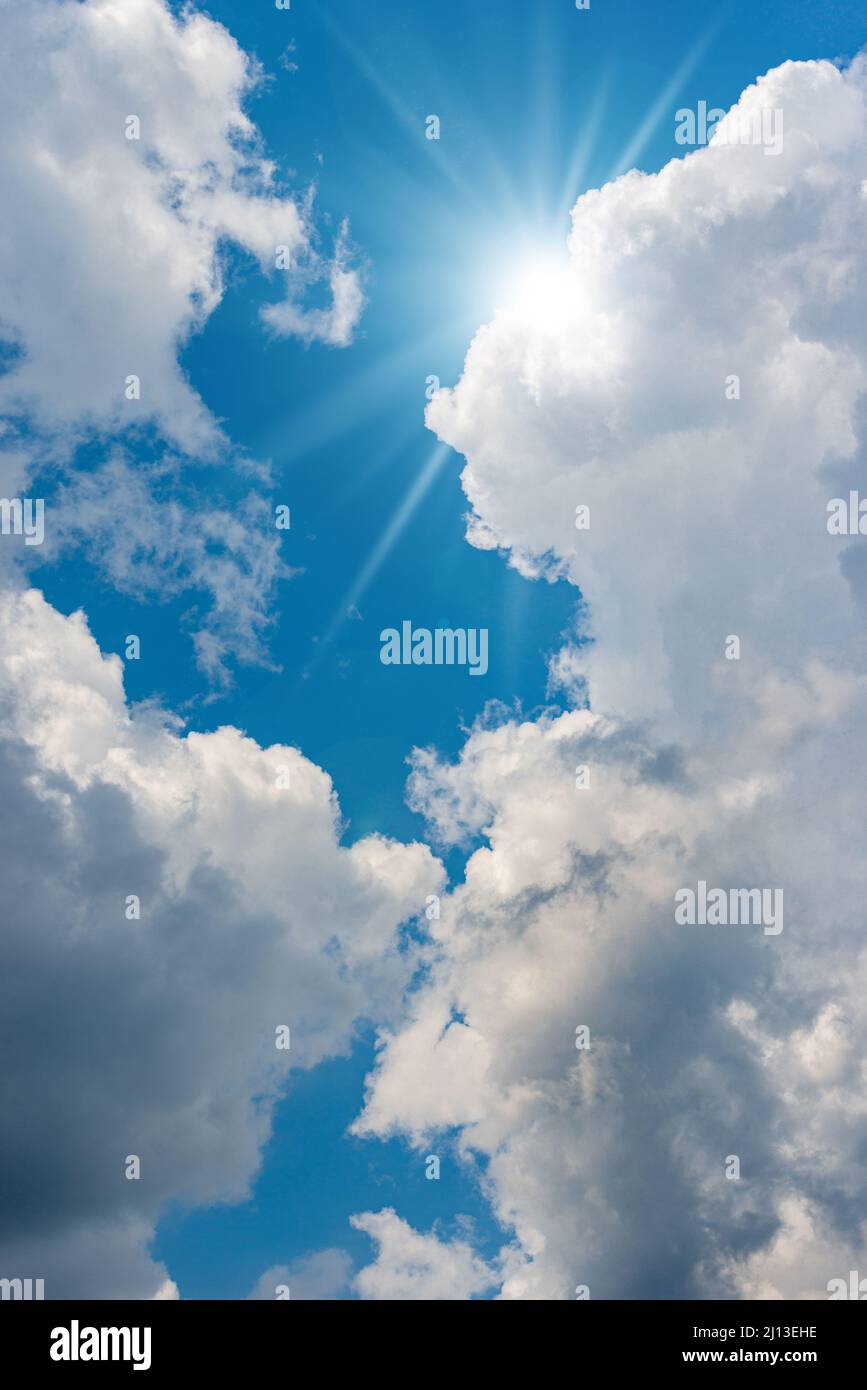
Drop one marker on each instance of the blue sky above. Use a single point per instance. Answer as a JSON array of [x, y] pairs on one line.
[[538, 102]]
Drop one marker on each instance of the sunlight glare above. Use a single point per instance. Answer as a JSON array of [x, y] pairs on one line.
[[539, 289]]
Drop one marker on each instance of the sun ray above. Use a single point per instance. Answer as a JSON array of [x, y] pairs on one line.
[[573, 180], [402, 113], [331, 416], [389, 538], [662, 107]]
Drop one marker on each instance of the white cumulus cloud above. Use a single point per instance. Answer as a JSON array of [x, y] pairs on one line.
[[411, 1266]]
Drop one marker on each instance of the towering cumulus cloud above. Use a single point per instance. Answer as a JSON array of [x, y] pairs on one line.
[[665, 1109]]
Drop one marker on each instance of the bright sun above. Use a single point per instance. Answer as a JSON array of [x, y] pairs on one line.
[[539, 288]]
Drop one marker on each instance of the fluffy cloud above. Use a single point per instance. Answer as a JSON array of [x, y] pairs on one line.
[[112, 257], [800, 1261], [610, 1163], [158, 1035], [410, 1266], [323, 1275], [334, 325], [154, 537], [708, 519]]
